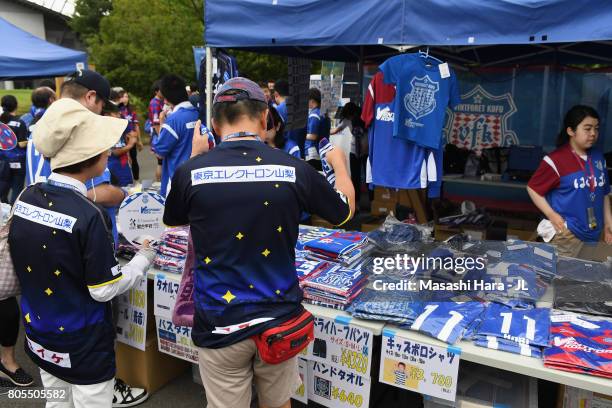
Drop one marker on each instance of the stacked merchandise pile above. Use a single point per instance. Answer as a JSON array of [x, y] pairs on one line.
[[580, 344], [524, 331], [583, 287], [397, 307], [346, 248], [334, 286], [172, 250]]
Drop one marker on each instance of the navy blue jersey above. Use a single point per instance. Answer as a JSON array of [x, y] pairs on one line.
[[530, 326], [243, 201], [61, 247]]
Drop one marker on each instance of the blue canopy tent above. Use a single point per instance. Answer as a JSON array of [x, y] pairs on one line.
[[467, 33], [24, 55], [363, 29]]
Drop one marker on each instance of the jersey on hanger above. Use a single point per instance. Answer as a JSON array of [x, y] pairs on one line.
[[529, 326], [394, 162], [421, 99], [447, 321]]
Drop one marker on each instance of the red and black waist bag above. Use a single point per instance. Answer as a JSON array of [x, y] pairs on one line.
[[286, 340]]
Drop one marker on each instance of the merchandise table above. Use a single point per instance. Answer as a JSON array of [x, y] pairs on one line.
[[515, 363], [528, 366]]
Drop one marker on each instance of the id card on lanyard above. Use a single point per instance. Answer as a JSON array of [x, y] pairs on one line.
[[591, 182]]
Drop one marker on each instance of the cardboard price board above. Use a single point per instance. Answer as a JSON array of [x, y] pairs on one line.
[[132, 315], [141, 215], [334, 387], [419, 367], [342, 344], [165, 293], [175, 340], [301, 393]]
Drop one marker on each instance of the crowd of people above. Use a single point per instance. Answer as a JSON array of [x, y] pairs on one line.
[[78, 151]]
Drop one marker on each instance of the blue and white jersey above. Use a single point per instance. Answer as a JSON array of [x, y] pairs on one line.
[[282, 111], [174, 141], [38, 168], [292, 148], [496, 343], [313, 127], [531, 326], [447, 321], [422, 97]]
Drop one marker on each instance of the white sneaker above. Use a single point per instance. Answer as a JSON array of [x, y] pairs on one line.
[[126, 396]]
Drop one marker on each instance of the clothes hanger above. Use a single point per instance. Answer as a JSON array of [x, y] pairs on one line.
[[426, 56]]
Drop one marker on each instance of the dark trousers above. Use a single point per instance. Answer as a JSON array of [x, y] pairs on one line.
[[355, 165], [135, 166], [9, 322]]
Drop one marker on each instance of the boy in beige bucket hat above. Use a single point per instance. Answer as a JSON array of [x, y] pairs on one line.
[[63, 254]]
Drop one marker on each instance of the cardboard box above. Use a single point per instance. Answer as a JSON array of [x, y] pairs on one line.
[[147, 369], [443, 232], [578, 398], [382, 207], [385, 194]]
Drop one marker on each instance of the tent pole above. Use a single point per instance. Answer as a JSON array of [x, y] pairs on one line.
[[361, 73], [209, 90]]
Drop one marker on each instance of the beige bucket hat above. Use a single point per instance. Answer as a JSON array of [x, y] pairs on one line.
[[68, 133]]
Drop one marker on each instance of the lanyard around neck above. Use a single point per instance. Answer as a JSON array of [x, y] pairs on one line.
[[590, 177], [240, 134]]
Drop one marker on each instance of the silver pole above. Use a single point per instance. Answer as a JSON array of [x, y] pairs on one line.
[[209, 90]]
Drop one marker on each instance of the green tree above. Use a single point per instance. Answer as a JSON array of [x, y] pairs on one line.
[[87, 16], [142, 40], [260, 67]]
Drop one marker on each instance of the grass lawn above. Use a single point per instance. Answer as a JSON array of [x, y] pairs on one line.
[[23, 99]]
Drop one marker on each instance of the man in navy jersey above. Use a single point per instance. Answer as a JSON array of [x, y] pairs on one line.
[[174, 142], [243, 202]]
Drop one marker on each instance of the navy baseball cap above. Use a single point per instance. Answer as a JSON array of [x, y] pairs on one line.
[[238, 89], [93, 81]]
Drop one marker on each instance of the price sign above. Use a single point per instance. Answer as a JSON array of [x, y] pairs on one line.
[[342, 344], [165, 293], [335, 387], [301, 393], [175, 340], [141, 215], [419, 367], [132, 315]]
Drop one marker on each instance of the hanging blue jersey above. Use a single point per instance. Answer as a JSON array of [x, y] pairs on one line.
[[447, 321], [529, 326], [395, 162], [421, 98], [174, 141]]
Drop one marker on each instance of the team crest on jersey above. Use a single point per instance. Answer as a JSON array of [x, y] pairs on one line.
[[421, 100], [480, 121]]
